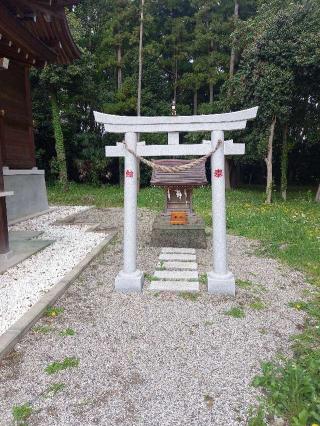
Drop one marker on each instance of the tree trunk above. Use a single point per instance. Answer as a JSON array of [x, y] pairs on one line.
[[140, 59], [175, 84], [284, 163], [140, 78], [317, 199], [268, 161], [119, 84], [233, 48], [59, 141], [119, 67], [211, 92], [227, 173], [195, 102]]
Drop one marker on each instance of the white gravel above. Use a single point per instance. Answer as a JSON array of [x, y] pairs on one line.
[[154, 359], [23, 285]]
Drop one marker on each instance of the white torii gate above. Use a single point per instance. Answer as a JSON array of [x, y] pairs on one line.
[[220, 279]]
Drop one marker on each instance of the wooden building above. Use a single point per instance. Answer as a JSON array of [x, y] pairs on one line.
[[32, 33], [178, 186]]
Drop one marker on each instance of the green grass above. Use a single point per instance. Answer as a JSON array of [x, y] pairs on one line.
[[257, 305], [67, 332], [244, 284], [21, 413], [203, 279], [53, 311], [235, 312], [54, 389], [193, 297], [150, 277], [57, 366], [42, 329]]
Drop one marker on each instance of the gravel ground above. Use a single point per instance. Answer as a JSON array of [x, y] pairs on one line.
[[154, 358], [23, 285]]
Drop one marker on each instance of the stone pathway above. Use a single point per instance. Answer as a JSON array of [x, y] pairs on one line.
[[177, 270]]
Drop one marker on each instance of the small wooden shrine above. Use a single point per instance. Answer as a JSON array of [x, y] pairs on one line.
[[32, 33], [178, 225], [178, 186]]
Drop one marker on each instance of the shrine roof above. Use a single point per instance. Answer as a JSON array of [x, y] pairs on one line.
[[196, 176], [36, 32]]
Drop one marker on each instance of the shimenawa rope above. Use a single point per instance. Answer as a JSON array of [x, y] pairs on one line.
[[173, 169]]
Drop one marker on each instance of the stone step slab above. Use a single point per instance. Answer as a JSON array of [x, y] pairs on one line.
[[177, 275], [178, 250], [178, 286], [178, 265], [177, 256]]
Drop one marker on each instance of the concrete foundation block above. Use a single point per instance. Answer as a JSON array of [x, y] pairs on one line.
[[191, 235], [30, 194], [221, 284], [129, 282]]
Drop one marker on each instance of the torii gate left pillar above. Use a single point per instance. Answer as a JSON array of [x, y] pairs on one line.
[[130, 279], [220, 279]]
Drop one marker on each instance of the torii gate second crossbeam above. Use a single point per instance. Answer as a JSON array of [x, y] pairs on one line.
[[220, 279]]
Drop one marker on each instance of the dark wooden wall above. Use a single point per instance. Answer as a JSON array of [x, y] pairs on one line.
[[17, 143], [4, 238]]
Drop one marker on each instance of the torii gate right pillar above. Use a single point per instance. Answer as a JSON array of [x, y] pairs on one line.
[[220, 279]]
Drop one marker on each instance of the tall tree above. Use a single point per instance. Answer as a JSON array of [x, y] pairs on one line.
[[233, 46], [140, 57], [273, 61]]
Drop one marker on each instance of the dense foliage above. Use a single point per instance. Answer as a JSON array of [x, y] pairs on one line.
[[187, 53]]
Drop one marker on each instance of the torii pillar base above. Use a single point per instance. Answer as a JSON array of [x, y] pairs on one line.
[[221, 284], [129, 282]]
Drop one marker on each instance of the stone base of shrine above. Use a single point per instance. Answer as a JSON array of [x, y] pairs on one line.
[[221, 284], [190, 235]]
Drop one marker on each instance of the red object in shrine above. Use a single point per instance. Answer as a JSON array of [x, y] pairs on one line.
[[218, 173], [178, 218], [129, 173]]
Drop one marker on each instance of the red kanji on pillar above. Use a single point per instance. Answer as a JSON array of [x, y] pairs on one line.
[[218, 173], [129, 173]]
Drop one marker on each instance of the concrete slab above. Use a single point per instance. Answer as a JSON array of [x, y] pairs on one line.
[[22, 248], [177, 256], [178, 265], [189, 286], [176, 275], [178, 250], [23, 235]]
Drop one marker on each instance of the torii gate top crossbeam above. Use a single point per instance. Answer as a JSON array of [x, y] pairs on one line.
[[180, 123]]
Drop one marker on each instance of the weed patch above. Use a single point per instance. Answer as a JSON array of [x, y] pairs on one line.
[[189, 296], [42, 329], [235, 312], [244, 284], [57, 366], [53, 311], [257, 305], [203, 279], [21, 413], [67, 332], [54, 389]]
